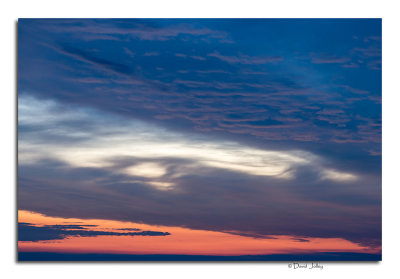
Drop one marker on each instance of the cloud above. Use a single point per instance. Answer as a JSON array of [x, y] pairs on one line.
[[180, 55], [90, 80], [115, 141], [123, 169], [151, 54], [209, 199], [165, 33], [301, 239], [368, 52], [232, 140], [329, 60], [245, 59], [372, 38], [30, 232], [198, 100], [129, 52], [106, 29], [338, 176], [212, 72], [350, 65], [197, 57], [129, 229], [375, 65], [92, 59], [353, 90]]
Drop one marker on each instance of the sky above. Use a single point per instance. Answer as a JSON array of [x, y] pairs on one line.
[[199, 137]]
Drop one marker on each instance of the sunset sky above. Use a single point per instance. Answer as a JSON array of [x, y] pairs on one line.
[[199, 139]]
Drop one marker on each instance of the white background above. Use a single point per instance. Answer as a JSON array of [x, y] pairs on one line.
[[12, 10]]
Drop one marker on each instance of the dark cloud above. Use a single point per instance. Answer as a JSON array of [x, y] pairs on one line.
[[212, 200], [30, 232], [300, 239]]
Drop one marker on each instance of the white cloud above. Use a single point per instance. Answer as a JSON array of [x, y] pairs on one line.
[[113, 137], [146, 170], [331, 174]]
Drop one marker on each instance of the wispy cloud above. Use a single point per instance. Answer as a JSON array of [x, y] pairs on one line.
[[129, 52], [180, 55], [197, 57], [246, 59], [112, 30], [329, 60], [101, 63], [151, 54]]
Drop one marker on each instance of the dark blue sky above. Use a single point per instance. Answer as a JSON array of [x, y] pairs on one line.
[[276, 99]]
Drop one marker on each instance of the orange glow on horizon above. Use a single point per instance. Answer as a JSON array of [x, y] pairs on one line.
[[180, 241]]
